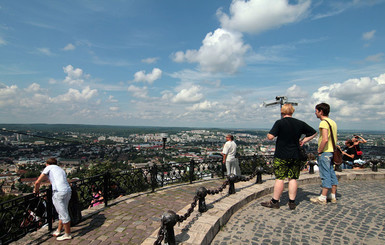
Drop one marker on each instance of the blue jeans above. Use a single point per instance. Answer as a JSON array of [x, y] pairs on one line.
[[347, 165], [326, 170]]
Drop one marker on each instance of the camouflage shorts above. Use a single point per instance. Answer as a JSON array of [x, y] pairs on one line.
[[287, 168]]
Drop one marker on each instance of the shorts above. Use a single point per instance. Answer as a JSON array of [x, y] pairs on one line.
[[326, 170], [287, 168], [61, 200]]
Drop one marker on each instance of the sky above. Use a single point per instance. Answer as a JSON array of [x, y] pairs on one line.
[[190, 63]]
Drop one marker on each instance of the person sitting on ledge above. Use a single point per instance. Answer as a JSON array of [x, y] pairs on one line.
[[348, 154]]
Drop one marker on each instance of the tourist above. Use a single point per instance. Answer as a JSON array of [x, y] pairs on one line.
[[229, 151], [325, 155], [357, 140], [60, 197], [348, 155], [287, 164]]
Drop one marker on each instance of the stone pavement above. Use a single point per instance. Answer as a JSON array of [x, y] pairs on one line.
[[136, 219], [127, 220], [358, 218]]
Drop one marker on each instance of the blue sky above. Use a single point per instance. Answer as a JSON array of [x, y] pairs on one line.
[[191, 63]]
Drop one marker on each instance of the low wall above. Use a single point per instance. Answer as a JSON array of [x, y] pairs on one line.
[[201, 228]]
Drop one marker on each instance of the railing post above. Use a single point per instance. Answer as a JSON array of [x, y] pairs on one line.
[[49, 208], [223, 169], [202, 193], [232, 178], [259, 171], [191, 170], [106, 178], [74, 206], [169, 220], [153, 174]]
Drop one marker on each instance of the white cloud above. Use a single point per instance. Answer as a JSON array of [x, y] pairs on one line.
[[2, 41], [188, 95], [137, 91], [111, 99], [8, 94], [375, 58], [33, 88], [74, 95], [204, 106], [69, 47], [296, 92], [141, 76], [255, 16], [221, 51], [150, 60], [74, 76], [114, 108], [45, 51], [358, 98], [368, 35]]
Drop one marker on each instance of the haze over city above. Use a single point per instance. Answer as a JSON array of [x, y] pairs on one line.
[[191, 63]]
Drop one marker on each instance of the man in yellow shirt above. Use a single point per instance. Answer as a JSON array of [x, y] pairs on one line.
[[325, 155]]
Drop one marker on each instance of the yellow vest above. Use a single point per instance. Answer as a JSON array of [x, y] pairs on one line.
[[323, 124]]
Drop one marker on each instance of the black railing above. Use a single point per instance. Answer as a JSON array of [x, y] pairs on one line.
[[29, 213], [25, 214]]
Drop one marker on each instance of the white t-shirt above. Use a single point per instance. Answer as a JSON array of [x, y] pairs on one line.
[[230, 149], [57, 177]]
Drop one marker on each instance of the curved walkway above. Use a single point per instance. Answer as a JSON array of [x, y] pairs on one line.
[[358, 218], [136, 219]]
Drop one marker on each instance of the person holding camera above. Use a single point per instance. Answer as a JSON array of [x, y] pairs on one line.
[[357, 140]]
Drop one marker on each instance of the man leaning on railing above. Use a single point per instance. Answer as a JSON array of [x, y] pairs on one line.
[[60, 197]]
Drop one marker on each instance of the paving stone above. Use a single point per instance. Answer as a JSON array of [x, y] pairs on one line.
[[359, 213]]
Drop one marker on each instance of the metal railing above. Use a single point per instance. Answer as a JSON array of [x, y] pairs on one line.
[[29, 213]]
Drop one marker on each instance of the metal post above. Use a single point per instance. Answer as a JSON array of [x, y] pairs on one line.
[[191, 170], [153, 174], [259, 171], [169, 220], [223, 169], [232, 179], [49, 208], [311, 167], [374, 165], [202, 193], [106, 178]]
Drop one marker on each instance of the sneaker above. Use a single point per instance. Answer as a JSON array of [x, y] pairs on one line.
[[56, 233], [292, 205], [332, 200], [64, 237], [317, 200], [270, 204]]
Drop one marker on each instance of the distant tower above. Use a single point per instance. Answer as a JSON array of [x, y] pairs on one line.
[[281, 100]]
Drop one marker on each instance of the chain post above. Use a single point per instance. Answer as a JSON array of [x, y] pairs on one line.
[[311, 167], [374, 165], [169, 220], [259, 172], [232, 179], [202, 193]]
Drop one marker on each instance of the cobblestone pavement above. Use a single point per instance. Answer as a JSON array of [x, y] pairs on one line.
[[130, 221], [357, 218]]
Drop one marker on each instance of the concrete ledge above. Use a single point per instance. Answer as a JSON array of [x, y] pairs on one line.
[[201, 228]]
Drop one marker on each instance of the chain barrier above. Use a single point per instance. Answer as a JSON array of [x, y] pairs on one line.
[[170, 218]]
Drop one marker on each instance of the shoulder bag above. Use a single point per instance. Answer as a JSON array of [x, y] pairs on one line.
[[337, 154]]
